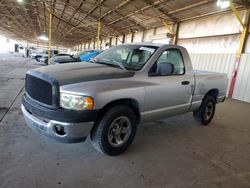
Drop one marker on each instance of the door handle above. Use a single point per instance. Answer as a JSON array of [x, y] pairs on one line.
[[185, 82]]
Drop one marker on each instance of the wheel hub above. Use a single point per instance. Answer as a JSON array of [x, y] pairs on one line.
[[209, 111], [119, 131]]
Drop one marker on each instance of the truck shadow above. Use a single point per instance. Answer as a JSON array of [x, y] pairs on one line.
[[179, 133]]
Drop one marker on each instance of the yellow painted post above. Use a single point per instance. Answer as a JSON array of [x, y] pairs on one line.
[[243, 38], [170, 30], [242, 41], [98, 33], [236, 14], [167, 27], [49, 42], [175, 41]]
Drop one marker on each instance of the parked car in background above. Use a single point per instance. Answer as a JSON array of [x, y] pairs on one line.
[[44, 57], [61, 59], [86, 56], [77, 55], [124, 86], [21, 50], [37, 55]]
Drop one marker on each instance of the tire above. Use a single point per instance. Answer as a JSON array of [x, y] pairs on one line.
[[37, 58], [205, 113], [115, 131], [46, 62]]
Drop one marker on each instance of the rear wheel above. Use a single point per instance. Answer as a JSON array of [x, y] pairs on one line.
[[115, 131], [205, 113], [37, 58]]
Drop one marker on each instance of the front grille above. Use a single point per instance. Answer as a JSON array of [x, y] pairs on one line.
[[39, 89]]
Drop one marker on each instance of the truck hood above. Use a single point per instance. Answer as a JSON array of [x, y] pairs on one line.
[[80, 72]]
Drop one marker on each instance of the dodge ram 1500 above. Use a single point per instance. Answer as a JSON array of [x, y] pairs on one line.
[[119, 89]]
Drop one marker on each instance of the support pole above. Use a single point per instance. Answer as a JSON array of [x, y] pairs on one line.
[[176, 33], [98, 33], [49, 42], [116, 40], [110, 41], [132, 36], [99, 29], [242, 44], [165, 23], [168, 27], [123, 38], [143, 36]]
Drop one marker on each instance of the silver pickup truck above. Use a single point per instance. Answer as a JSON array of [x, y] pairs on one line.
[[122, 87]]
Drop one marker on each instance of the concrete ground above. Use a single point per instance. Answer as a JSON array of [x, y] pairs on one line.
[[171, 153]]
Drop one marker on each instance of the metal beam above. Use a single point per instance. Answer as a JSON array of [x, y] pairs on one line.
[[17, 25], [130, 19], [38, 17], [98, 33], [136, 12], [114, 9], [76, 10], [60, 18], [165, 23], [109, 28], [149, 2], [89, 12], [49, 42], [236, 13], [119, 13], [193, 5], [176, 33], [245, 25]]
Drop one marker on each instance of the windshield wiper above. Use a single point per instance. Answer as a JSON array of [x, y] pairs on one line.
[[109, 62]]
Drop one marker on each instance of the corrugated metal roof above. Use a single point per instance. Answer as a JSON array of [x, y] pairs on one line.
[[75, 21]]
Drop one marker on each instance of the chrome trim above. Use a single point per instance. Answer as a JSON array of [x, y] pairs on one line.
[[75, 132], [165, 109]]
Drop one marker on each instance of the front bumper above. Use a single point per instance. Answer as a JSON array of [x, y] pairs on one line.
[[72, 132]]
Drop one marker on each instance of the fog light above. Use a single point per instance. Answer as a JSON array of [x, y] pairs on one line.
[[59, 129]]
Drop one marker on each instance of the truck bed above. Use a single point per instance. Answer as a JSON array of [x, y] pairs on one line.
[[206, 81], [198, 72]]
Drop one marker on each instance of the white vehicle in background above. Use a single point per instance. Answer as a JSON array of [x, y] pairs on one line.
[[42, 57], [21, 50], [34, 54]]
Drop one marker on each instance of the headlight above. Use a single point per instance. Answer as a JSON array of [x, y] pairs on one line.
[[76, 102]]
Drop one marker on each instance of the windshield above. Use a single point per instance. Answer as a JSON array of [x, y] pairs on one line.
[[131, 57]]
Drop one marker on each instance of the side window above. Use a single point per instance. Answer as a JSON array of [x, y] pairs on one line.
[[170, 58]]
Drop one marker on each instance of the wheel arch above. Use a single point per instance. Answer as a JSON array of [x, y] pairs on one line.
[[213, 93], [132, 103]]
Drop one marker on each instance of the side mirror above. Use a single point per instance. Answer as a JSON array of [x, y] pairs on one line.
[[164, 69]]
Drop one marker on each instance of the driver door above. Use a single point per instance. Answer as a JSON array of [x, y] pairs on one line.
[[169, 94]]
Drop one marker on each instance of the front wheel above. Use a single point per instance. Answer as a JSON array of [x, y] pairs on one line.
[[205, 113], [115, 131]]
